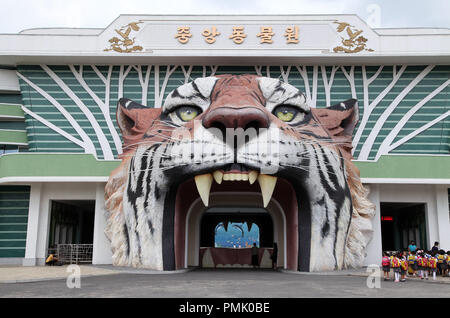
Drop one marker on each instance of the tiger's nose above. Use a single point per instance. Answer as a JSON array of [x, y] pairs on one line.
[[229, 117]]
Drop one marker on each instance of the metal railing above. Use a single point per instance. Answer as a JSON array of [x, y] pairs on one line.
[[73, 253]]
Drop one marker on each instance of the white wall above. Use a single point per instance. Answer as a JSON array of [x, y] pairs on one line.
[[102, 247], [374, 248], [9, 82], [443, 217], [33, 225]]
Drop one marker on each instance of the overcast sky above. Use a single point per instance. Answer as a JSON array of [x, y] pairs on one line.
[[24, 14]]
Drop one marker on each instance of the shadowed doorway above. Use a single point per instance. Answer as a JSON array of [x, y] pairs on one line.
[[72, 222], [228, 233], [402, 223]]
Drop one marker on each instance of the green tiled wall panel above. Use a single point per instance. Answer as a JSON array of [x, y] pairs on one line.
[[14, 203]]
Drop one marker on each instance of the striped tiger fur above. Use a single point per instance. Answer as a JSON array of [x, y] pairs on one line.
[[313, 153]]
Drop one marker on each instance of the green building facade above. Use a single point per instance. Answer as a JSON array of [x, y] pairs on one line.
[[59, 138]]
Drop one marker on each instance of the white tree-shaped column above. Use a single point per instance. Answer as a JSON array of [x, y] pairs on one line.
[[103, 105]]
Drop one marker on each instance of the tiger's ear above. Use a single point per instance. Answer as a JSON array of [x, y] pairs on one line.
[[134, 120], [340, 120]]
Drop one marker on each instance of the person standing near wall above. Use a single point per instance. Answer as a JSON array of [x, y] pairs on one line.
[[442, 262], [403, 266], [386, 264], [274, 256], [448, 263], [412, 247], [412, 262], [255, 262], [432, 264], [435, 248], [395, 264]]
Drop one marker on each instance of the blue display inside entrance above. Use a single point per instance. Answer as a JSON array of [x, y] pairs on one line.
[[236, 235]]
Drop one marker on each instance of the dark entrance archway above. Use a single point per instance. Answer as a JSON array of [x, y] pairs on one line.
[[190, 211], [235, 247], [71, 222], [402, 223]]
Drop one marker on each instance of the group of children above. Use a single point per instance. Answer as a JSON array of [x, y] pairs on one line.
[[420, 263]]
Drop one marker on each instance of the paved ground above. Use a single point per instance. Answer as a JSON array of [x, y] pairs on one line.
[[14, 274], [226, 283]]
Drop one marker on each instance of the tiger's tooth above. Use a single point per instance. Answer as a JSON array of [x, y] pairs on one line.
[[218, 176], [226, 177], [252, 176], [203, 183], [244, 177], [267, 184]]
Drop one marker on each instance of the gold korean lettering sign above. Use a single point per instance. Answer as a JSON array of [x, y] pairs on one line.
[[238, 35], [183, 34], [352, 39], [266, 35], [210, 35], [291, 35]]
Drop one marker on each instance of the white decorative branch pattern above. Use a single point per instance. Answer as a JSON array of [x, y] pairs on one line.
[[143, 80], [258, 70], [104, 144], [268, 71], [55, 128], [328, 84], [352, 76], [369, 107], [351, 79], [213, 69], [187, 73], [87, 143], [122, 75], [386, 146], [367, 146], [159, 91], [285, 74], [418, 131], [103, 105], [304, 74]]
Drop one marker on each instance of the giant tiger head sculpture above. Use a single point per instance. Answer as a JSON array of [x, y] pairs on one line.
[[285, 143]]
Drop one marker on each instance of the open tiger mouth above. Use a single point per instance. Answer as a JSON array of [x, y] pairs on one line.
[[280, 193], [235, 173]]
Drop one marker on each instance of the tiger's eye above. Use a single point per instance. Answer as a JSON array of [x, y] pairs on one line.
[[187, 113], [285, 114]]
